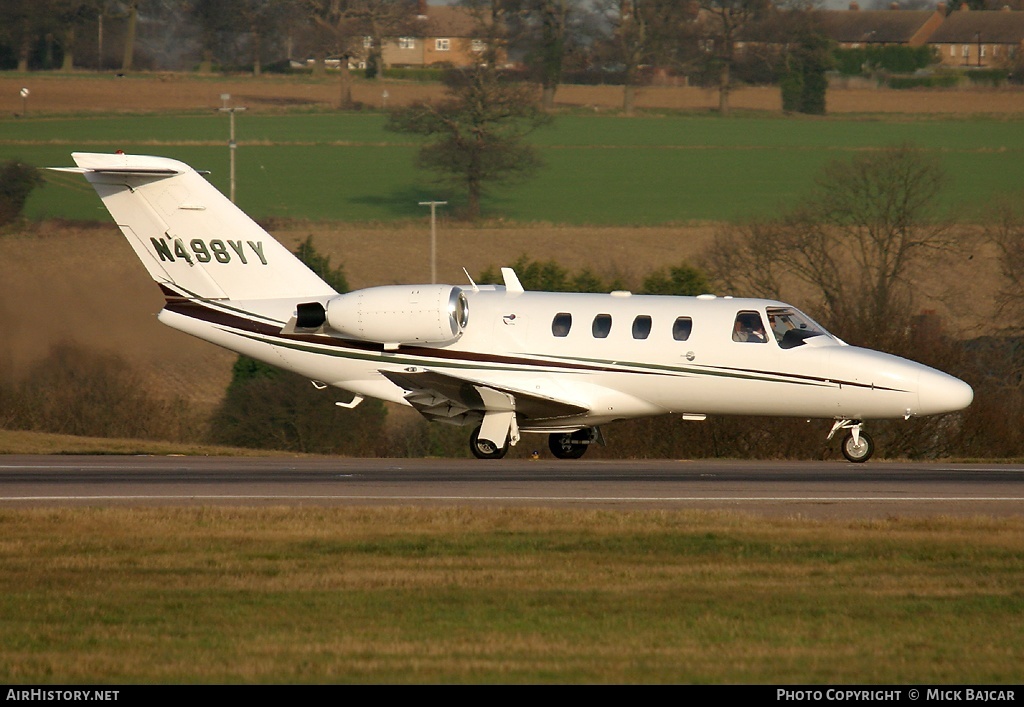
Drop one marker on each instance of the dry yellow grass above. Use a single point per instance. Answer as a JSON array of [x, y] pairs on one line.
[[22, 442], [70, 93]]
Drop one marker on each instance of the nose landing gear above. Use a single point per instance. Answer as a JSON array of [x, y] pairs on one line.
[[857, 445]]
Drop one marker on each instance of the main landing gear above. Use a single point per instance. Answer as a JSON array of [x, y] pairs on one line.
[[573, 445], [484, 448], [857, 445], [563, 445]]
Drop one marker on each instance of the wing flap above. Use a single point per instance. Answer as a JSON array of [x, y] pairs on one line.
[[443, 396]]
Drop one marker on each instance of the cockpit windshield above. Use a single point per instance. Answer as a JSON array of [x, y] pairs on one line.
[[792, 327]]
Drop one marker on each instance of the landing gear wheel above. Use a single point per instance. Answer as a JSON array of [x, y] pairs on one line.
[[485, 449], [858, 452], [569, 445]]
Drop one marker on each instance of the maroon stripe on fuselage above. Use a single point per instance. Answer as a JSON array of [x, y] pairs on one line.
[[196, 309]]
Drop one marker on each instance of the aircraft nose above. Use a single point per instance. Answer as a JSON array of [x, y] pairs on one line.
[[939, 392]]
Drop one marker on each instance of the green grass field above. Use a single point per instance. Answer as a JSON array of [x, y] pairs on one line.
[[504, 596], [599, 170]]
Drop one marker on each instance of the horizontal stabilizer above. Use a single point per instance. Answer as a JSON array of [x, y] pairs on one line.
[[120, 163]]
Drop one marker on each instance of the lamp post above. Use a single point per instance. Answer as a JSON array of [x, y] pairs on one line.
[[433, 236], [232, 145], [24, 101]]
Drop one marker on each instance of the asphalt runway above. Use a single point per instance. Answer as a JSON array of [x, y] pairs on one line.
[[816, 490]]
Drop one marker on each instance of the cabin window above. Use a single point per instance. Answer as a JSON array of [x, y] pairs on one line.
[[561, 324], [602, 326], [749, 328], [790, 327], [641, 327], [681, 328]]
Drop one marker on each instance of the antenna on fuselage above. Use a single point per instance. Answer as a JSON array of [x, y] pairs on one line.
[[468, 277]]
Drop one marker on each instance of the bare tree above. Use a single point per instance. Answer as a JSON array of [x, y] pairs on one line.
[[641, 32], [554, 22], [68, 15], [384, 19], [720, 31], [341, 23], [214, 18], [499, 23], [476, 135], [261, 18], [22, 22], [856, 244], [132, 12], [1006, 232], [542, 29]]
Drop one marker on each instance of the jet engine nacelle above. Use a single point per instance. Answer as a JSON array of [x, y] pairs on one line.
[[400, 314]]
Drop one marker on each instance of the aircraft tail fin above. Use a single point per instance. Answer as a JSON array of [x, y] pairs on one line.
[[190, 237]]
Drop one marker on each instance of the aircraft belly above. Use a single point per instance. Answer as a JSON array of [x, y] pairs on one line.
[[358, 376]]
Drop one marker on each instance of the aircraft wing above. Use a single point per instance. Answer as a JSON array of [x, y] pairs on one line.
[[443, 396]]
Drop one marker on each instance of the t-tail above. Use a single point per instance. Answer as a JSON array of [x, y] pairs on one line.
[[193, 241]]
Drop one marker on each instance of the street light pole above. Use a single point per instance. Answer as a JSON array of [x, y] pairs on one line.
[[232, 145], [433, 236]]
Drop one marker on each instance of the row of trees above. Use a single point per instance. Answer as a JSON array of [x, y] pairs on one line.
[[614, 40]]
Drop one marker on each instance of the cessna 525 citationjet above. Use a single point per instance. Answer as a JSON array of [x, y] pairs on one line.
[[498, 358]]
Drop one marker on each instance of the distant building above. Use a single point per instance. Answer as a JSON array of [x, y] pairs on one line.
[[979, 38], [962, 38], [855, 28], [443, 35]]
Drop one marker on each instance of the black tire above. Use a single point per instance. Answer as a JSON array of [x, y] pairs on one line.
[[483, 449], [858, 453], [569, 445]]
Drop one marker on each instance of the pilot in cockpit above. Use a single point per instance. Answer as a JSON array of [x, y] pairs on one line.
[[748, 327]]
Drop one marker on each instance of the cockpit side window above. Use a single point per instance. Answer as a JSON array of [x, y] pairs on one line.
[[749, 328], [561, 324], [792, 327]]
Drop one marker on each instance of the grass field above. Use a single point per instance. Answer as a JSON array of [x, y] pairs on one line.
[[599, 170], [505, 596]]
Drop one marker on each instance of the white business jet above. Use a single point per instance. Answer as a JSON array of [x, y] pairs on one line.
[[498, 358]]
